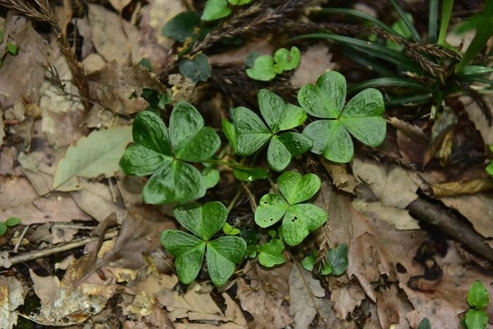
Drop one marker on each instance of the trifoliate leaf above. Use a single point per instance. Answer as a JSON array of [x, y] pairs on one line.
[[251, 132], [299, 221], [279, 114]]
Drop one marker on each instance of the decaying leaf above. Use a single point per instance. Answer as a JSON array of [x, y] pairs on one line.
[[11, 297], [92, 156], [305, 296], [450, 189]]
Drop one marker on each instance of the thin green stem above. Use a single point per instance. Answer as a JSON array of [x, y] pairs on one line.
[[235, 200]]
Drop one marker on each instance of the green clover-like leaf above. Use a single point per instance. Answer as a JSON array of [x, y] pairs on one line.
[[222, 256], [251, 132], [338, 259], [477, 319], [478, 296], [138, 160], [202, 220], [149, 131], [270, 253], [362, 117], [286, 60], [297, 188], [279, 114], [188, 250], [215, 9], [331, 139], [262, 69], [174, 181], [325, 99], [196, 69], [270, 210], [181, 26], [299, 221]]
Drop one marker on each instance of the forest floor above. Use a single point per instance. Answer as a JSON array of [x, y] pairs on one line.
[[88, 254]]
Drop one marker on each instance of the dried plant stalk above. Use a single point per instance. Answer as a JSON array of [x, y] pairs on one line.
[[40, 10]]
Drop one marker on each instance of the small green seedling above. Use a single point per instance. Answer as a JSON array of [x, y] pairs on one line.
[[230, 230], [361, 117], [165, 154], [222, 254], [271, 253], [157, 101], [252, 133], [196, 69], [265, 67], [489, 168], [477, 298], [424, 324], [336, 264], [299, 218], [216, 9], [10, 222]]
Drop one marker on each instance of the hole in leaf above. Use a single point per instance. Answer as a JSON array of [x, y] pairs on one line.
[[294, 219], [271, 219]]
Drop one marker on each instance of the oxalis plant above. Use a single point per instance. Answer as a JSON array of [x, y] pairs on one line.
[[180, 159]]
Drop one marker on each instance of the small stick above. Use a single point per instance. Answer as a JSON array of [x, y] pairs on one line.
[[57, 249]]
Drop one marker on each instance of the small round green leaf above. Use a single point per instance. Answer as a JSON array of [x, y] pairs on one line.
[[138, 160], [179, 182], [230, 230], [222, 256], [478, 296], [12, 221], [203, 221], [270, 253], [308, 264], [299, 221], [3, 228], [287, 60], [297, 188], [188, 250], [424, 324], [196, 69], [215, 9], [148, 130], [181, 26], [476, 319], [262, 69], [279, 114], [278, 156], [270, 210], [338, 259], [489, 169]]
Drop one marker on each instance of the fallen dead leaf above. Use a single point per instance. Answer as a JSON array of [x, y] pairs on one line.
[[346, 299], [114, 38], [11, 297], [314, 61]]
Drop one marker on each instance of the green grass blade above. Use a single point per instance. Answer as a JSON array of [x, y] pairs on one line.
[[371, 48], [359, 14], [432, 22], [407, 22], [369, 62], [407, 100], [402, 83], [445, 19]]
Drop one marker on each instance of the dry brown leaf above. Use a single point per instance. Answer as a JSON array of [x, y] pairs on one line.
[[95, 193], [478, 209], [392, 308], [305, 297], [2, 128], [112, 86], [119, 4], [314, 61], [18, 199], [154, 46], [114, 38], [477, 116], [62, 113], [346, 299], [398, 217], [11, 297], [340, 178], [16, 87], [450, 189]]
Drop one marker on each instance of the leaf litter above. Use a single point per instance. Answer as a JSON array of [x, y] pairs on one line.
[[43, 129]]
